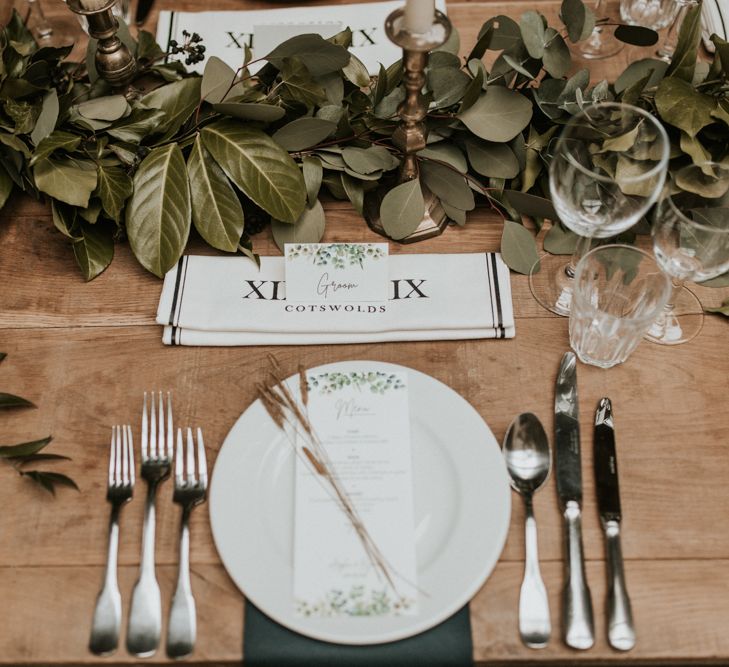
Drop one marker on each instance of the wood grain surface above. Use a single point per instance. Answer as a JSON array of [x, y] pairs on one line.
[[84, 353]]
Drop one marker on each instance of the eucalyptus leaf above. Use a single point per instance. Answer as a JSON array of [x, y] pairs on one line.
[[492, 159], [402, 208], [217, 80], [303, 133], [11, 401], [216, 211], [93, 249], [506, 32], [49, 480], [557, 59], [68, 181], [498, 115], [448, 185], [369, 160], [24, 449], [531, 205], [355, 192], [532, 33], [309, 228], [259, 167], [47, 118], [578, 19], [518, 247], [454, 214], [266, 113], [313, 172], [298, 84], [638, 70], [178, 100], [109, 108], [158, 213], [448, 85], [473, 91], [114, 187], [356, 72], [317, 54], [721, 310], [560, 240], [448, 153]]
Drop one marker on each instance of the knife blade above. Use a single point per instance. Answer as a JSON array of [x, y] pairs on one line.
[[621, 630], [578, 624], [143, 9]]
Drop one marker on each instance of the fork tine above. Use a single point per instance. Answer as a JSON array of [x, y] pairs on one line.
[[145, 427], [125, 456], [201, 462], [131, 455], [112, 454], [152, 427], [178, 459], [190, 458], [170, 430], [117, 457], [161, 453]]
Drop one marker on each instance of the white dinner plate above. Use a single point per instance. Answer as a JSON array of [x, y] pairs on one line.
[[462, 508]]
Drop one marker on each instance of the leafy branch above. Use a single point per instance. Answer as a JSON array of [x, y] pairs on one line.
[[26, 453]]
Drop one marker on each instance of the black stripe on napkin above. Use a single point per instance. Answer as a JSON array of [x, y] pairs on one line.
[[182, 288], [177, 289], [498, 294], [491, 292], [266, 643]]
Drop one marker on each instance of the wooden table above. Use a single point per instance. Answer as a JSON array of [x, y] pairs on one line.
[[84, 353]]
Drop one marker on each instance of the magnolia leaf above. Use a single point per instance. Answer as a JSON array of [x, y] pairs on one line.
[[532, 33], [682, 106], [49, 480], [46, 121], [684, 57], [317, 54], [493, 160], [24, 449], [216, 211], [498, 115], [369, 160], [108, 108], [217, 80], [11, 401], [557, 59], [303, 133], [722, 310], [309, 228], [578, 19], [70, 181], [559, 240], [259, 167], [137, 125], [93, 249], [178, 100], [158, 213], [355, 192], [55, 141], [531, 205], [312, 171], [266, 113], [6, 186], [402, 208], [636, 35], [114, 187], [448, 185], [455, 214], [518, 247], [356, 72], [448, 153]]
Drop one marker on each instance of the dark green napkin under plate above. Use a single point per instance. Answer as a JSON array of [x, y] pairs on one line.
[[267, 643]]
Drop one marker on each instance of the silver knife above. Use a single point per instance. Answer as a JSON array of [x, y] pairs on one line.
[[577, 619], [621, 632]]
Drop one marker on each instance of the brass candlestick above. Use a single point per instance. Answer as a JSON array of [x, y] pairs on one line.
[[411, 135], [114, 62]]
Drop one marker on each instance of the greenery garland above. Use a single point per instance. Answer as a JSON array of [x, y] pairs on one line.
[[228, 149]]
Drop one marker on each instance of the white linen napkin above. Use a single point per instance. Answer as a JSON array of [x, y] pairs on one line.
[[229, 301], [715, 19]]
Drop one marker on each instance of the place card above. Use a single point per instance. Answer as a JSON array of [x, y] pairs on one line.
[[363, 424], [336, 272]]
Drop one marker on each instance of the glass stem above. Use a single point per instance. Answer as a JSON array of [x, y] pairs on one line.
[[677, 287], [581, 249]]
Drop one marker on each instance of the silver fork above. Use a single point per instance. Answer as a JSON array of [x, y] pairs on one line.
[[190, 490], [107, 614], [145, 615]]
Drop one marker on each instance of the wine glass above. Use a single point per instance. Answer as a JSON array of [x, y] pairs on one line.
[[608, 169], [665, 51], [61, 31], [691, 242], [600, 44]]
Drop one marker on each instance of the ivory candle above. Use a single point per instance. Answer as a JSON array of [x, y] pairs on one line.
[[419, 16]]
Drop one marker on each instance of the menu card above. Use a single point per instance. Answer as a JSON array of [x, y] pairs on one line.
[[362, 422], [337, 272]]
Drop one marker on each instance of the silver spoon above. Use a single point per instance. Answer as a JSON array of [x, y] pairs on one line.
[[528, 460]]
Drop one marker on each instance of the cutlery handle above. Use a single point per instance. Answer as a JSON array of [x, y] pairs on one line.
[[534, 622], [579, 627], [621, 632], [145, 614], [107, 613], [182, 628]]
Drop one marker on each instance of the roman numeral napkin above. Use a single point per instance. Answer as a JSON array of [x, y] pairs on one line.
[[228, 301]]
